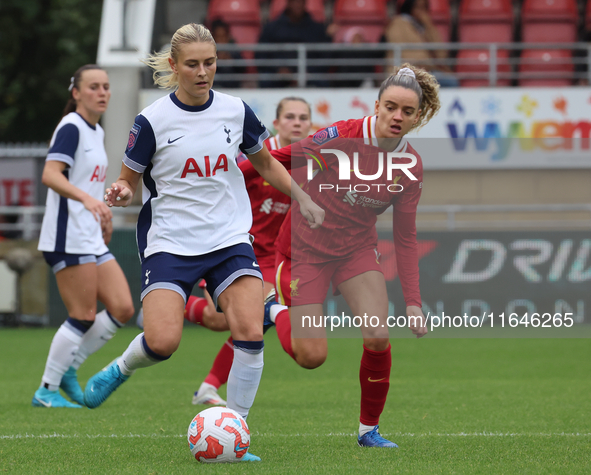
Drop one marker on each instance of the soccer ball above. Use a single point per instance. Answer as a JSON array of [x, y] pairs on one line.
[[218, 434]]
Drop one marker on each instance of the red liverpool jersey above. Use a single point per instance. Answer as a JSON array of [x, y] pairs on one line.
[[269, 207], [352, 205]]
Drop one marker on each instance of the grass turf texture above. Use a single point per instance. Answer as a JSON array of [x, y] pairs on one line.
[[455, 406]]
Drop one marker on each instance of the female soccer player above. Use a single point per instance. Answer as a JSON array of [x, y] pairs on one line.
[[269, 208], [344, 251], [196, 215], [76, 230]]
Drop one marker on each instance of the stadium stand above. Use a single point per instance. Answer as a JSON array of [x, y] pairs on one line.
[[554, 67], [484, 21], [477, 61], [549, 21], [371, 15], [314, 7], [243, 16], [441, 16]]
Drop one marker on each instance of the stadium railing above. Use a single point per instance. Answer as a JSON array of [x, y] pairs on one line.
[[441, 217], [300, 57]]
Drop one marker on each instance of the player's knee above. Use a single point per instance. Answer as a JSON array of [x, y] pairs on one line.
[[376, 344], [311, 360], [123, 311], [163, 345]]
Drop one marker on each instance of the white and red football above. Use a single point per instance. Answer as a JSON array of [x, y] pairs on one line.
[[218, 434]]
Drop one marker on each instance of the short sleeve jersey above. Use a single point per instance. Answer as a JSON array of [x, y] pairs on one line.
[[67, 225], [349, 225], [194, 196]]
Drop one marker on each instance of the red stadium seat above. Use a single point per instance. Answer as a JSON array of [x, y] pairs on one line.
[[441, 17], [588, 16], [483, 21], [477, 61], [314, 7], [360, 11], [235, 11], [372, 33], [554, 67], [549, 21], [245, 34]]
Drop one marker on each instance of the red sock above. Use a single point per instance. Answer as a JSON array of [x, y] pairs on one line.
[[218, 374], [283, 326], [374, 376], [194, 309]]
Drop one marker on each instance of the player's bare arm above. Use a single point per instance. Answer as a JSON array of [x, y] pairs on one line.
[[278, 177], [123, 190], [54, 178]]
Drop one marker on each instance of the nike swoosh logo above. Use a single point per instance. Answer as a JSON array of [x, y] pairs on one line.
[[92, 388], [107, 339], [375, 380], [88, 150], [255, 264], [172, 141], [46, 404]]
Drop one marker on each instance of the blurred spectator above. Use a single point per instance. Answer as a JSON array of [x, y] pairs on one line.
[[294, 25], [220, 31], [413, 24], [355, 35]]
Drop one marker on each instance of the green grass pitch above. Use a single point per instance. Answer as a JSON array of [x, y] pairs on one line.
[[485, 406]]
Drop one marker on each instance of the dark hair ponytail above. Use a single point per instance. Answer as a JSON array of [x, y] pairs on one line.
[[75, 83]]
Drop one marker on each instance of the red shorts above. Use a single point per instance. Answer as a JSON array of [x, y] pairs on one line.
[[267, 265], [302, 284]]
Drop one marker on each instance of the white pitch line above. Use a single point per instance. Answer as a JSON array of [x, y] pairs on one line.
[[265, 434]]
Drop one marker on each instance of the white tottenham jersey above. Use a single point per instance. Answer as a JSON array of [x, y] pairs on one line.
[[67, 225], [194, 196]]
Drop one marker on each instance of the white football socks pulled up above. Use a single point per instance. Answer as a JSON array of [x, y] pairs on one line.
[[135, 357], [64, 347], [363, 429], [243, 380], [101, 331]]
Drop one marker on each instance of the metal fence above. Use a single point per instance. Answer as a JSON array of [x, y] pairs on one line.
[[27, 222], [311, 63]]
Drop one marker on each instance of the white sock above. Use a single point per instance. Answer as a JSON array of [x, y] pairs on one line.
[[64, 346], [138, 355], [101, 331], [205, 386], [274, 311], [363, 429], [244, 378]]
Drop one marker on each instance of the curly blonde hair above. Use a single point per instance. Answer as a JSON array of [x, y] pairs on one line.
[[163, 75], [423, 84]]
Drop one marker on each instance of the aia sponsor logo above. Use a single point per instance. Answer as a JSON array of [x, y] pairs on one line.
[[99, 174], [206, 170]]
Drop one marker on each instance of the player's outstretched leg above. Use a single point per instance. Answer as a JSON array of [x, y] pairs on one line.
[[374, 376], [45, 398], [103, 384], [71, 387]]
